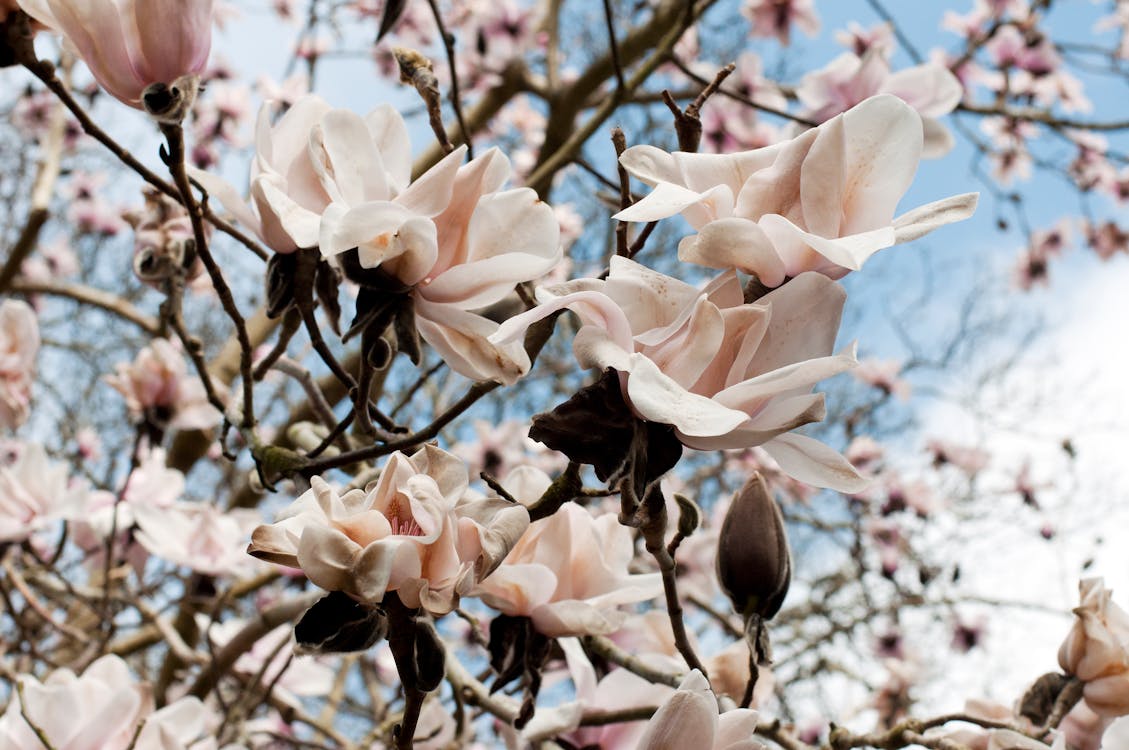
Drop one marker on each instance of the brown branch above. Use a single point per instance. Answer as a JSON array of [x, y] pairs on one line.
[[91, 296]]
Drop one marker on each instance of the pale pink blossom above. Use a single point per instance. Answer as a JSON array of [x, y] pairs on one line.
[[774, 18], [159, 389], [883, 375], [568, 572], [453, 236], [1096, 650], [100, 709], [151, 484], [19, 346], [198, 536], [859, 40], [724, 373], [35, 493], [849, 79], [689, 719], [1106, 239], [415, 531], [131, 44], [968, 459], [823, 201]]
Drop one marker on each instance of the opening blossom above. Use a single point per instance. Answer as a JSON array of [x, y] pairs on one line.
[[823, 201], [158, 389], [130, 45], [414, 531], [724, 373], [100, 709], [19, 345], [1096, 650], [568, 572], [689, 719], [331, 178]]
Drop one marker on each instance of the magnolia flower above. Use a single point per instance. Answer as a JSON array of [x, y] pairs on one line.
[[774, 18], [101, 709], [1096, 650], [689, 719], [568, 572], [158, 389], [823, 201], [453, 236], [136, 49], [724, 373], [415, 531], [35, 494], [198, 536], [850, 79], [19, 345], [883, 375]]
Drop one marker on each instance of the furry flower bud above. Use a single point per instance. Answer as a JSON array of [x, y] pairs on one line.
[[754, 564]]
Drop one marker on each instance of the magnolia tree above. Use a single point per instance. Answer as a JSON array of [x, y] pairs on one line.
[[484, 417]]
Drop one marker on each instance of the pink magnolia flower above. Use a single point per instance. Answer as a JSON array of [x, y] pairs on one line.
[[823, 201], [100, 709], [158, 388], [129, 45], [198, 536], [453, 236], [19, 345], [689, 719], [568, 572], [883, 375], [774, 18], [849, 79], [415, 531], [724, 373], [35, 493], [968, 459], [1096, 650]]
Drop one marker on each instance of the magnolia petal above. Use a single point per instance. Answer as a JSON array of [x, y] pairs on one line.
[[390, 134], [298, 222], [168, 55], [810, 302], [883, 142], [790, 378], [810, 461], [658, 398], [346, 160], [470, 344], [326, 556], [924, 219], [735, 730], [687, 719], [777, 417], [938, 139], [593, 307], [431, 193], [735, 243], [931, 89], [575, 617], [498, 525], [665, 200], [517, 589], [847, 252], [96, 30], [381, 566]]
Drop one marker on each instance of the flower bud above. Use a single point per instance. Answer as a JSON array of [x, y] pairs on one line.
[[754, 565]]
